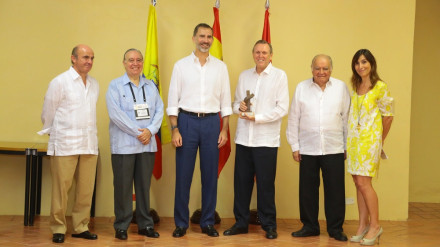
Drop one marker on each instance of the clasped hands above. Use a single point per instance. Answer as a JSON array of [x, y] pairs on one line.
[[145, 136]]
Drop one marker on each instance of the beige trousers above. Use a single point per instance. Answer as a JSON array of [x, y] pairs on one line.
[[64, 169]]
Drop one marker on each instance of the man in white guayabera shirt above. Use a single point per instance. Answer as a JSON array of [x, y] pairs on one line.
[[257, 139], [69, 117], [317, 133]]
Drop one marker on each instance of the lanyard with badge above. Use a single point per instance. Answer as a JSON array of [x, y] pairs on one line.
[[141, 111]]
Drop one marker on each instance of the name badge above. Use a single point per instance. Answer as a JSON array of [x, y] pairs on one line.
[[141, 111]]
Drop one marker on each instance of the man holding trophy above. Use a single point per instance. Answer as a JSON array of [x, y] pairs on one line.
[[261, 101]]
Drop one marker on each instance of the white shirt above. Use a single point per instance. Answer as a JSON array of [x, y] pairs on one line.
[[317, 123], [269, 104], [201, 89], [69, 115]]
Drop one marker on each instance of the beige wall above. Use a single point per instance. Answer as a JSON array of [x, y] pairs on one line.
[[425, 112], [37, 38]]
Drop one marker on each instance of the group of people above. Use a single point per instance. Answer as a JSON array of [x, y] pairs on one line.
[[325, 127]]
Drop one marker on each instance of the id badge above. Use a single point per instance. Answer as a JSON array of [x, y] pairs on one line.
[[141, 111]]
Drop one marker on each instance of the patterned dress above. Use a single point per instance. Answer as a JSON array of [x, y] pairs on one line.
[[364, 142]]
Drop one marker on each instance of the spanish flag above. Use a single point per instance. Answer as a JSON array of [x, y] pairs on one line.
[[151, 71], [216, 51]]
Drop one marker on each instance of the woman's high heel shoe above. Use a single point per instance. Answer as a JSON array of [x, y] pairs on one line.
[[372, 241], [358, 238]]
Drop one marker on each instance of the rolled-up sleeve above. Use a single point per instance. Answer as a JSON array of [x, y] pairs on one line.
[[174, 92]]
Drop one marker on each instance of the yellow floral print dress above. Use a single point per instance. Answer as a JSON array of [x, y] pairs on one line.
[[364, 141]]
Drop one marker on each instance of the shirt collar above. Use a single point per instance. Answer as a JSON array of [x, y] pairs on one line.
[[267, 70], [329, 83], [142, 81], [196, 59], [74, 74]]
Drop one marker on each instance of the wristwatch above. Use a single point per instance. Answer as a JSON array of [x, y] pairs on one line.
[[173, 127]]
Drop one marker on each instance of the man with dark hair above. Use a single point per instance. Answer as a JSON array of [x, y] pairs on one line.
[[258, 138], [69, 117], [199, 90]]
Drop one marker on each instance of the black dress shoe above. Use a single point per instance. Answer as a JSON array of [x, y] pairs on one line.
[[234, 230], [340, 236], [271, 233], [179, 232], [58, 238], [210, 231], [121, 234], [149, 232], [304, 233], [86, 235]]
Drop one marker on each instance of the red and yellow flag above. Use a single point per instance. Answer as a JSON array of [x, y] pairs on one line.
[[151, 71], [216, 51]]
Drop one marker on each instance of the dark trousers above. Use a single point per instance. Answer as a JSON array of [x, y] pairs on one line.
[[197, 134], [332, 167], [262, 163], [126, 169]]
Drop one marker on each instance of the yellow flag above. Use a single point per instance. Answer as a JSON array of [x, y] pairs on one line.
[[151, 66]]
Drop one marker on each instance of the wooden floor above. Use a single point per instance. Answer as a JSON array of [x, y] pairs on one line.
[[422, 230]]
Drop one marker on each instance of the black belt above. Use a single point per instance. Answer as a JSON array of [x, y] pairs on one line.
[[197, 114]]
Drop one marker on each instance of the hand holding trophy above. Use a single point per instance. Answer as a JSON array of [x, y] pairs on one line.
[[247, 113]]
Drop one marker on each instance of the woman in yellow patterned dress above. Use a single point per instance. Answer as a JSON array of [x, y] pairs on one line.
[[370, 118]]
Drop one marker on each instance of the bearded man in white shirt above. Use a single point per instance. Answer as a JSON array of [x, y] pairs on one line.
[[257, 139], [317, 132], [199, 90], [69, 117]]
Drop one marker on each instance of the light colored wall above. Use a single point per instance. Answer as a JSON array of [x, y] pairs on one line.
[[37, 38], [425, 112]]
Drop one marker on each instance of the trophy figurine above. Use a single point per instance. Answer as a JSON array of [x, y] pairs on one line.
[[247, 101]]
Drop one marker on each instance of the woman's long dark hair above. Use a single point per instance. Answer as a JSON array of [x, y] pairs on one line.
[[356, 80]]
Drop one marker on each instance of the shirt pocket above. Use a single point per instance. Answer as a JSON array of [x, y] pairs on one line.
[[127, 105], [74, 100]]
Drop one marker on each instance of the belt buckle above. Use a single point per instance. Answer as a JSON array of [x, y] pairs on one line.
[[199, 114]]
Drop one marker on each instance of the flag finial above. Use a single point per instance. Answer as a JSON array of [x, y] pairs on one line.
[[217, 4], [267, 4], [153, 2]]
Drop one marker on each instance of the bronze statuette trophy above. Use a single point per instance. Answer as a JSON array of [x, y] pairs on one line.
[[247, 101]]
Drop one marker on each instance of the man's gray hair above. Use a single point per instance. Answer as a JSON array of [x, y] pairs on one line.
[[132, 49], [322, 55]]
